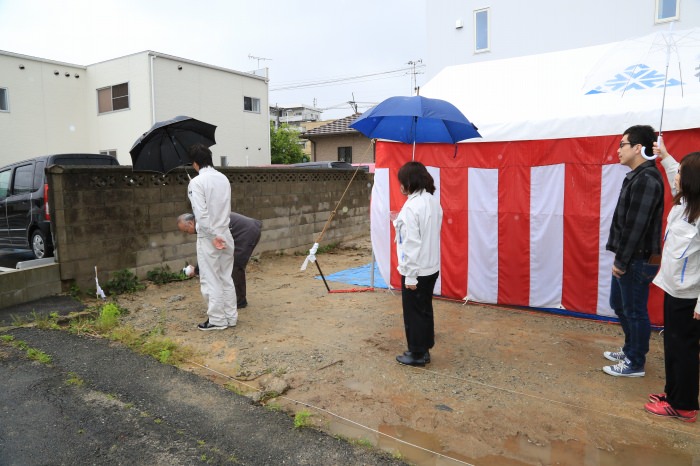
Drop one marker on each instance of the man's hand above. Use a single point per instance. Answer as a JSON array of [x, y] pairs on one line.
[[617, 273], [219, 242], [412, 287]]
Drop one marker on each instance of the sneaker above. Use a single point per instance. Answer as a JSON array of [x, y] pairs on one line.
[[614, 355], [623, 369], [656, 397], [207, 326], [662, 408]]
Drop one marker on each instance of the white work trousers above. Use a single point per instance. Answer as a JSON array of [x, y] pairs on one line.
[[215, 280]]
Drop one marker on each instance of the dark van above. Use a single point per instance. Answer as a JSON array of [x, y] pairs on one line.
[[24, 200]]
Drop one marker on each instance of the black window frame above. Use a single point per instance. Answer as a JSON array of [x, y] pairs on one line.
[[343, 153]]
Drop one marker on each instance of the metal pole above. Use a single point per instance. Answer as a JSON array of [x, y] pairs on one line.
[[324, 278]]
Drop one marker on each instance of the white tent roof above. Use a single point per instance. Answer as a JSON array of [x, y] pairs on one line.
[[544, 97]]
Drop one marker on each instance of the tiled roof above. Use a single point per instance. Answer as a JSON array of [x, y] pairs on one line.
[[335, 127]]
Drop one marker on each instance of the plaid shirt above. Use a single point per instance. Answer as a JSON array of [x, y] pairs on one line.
[[635, 231]]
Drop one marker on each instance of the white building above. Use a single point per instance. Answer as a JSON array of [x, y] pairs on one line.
[[294, 115], [462, 31], [49, 107]]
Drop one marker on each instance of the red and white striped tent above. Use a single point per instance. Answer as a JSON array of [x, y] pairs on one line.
[[527, 209]]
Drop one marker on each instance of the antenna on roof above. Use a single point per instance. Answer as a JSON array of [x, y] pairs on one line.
[[258, 59]]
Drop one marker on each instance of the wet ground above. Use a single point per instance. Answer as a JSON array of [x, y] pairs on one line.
[[505, 386]]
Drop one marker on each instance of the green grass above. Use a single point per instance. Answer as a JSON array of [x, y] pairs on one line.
[[38, 355], [108, 318], [302, 419], [74, 379]]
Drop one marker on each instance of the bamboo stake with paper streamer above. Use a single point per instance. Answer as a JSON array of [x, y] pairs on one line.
[[312, 252], [98, 290]]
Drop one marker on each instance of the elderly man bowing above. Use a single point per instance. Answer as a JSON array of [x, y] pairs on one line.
[[210, 196]]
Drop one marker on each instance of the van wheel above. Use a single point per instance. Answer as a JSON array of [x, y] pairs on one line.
[[40, 247]]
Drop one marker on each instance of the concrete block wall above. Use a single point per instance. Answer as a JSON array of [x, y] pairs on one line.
[[21, 286], [114, 219]]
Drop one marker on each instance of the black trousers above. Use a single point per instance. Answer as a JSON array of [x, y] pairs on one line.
[[238, 275], [681, 349], [418, 313]]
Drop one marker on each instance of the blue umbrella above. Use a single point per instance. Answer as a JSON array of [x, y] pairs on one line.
[[415, 119]]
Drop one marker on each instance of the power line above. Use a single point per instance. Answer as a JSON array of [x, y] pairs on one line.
[[340, 80]]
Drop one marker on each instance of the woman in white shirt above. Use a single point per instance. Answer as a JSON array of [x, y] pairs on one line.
[[418, 250], [679, 278]]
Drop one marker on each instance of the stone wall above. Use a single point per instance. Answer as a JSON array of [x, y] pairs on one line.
[[114, 219]]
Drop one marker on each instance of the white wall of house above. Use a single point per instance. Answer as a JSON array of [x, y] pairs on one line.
[[216, 96], [51, 113], [518, 28], [45, 108], [118, 130]]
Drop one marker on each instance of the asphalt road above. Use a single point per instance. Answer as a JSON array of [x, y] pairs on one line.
[[133, 410]]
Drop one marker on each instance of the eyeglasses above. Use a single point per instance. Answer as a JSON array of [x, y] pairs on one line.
[[622, 144]]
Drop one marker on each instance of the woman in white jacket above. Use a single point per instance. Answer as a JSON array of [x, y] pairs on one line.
[[418, 250], [679, 278]]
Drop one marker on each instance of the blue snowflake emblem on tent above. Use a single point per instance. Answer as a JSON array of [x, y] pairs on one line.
[[635, 77]]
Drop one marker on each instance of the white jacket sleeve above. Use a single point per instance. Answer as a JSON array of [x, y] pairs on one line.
[[199, 207], [671, 167], [410, 247]]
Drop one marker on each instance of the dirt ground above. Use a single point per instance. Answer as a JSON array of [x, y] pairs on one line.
[[506, 387]]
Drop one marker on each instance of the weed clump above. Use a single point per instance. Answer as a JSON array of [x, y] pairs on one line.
[[123, 281], [302, 419], [108, 318], [163, 275]]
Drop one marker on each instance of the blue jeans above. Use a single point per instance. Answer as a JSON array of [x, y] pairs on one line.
[[628, 298]]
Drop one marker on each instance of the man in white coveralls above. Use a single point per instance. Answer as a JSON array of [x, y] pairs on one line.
[[210, 196]]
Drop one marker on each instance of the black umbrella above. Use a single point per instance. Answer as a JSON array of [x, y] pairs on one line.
[[164, 147]]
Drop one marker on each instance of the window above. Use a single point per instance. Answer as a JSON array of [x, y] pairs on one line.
[[481, 30], [39, 174], [5, 183], [4, 105], [24, 179], [345, 154], [667, 10], [110, 99], [251, 104], [112, 152]]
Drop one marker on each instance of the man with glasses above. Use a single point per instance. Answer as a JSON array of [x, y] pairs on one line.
[[635, 238]]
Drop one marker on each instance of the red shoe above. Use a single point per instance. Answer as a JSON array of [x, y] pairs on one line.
[[656, 397], [662, 408]]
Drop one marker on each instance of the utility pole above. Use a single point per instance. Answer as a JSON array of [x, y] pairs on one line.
[[258, 59], [353, 104], [414, 81]]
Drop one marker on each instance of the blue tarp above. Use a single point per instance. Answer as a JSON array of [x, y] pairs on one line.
[[359, 276]]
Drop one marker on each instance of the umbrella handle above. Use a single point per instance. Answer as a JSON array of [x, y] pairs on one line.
[[652, 156]]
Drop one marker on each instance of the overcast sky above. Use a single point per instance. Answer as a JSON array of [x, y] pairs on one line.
[[305, 41]]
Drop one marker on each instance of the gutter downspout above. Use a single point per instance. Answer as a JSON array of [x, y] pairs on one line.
[[153, 89], [267, 89]]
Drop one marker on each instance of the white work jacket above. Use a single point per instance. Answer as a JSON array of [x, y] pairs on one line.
[[210, 196], [679, 273], [418, 236]]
